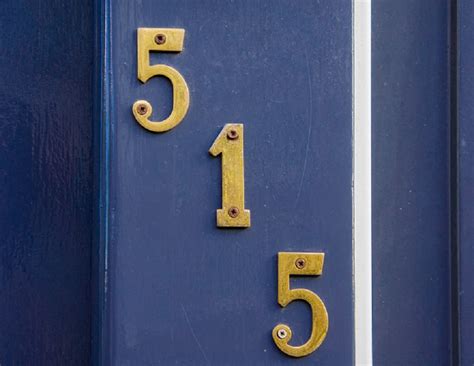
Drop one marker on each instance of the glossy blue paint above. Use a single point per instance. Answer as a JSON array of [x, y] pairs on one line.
[[179, 290], [46, 181], [412, 293], [102, 114], [466, 180]]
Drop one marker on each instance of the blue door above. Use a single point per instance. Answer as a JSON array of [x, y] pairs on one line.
[[181, 182]]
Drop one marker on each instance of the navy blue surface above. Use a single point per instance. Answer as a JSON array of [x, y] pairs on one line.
[[180, 290], [411, 182], [45, 181], [466, 180]]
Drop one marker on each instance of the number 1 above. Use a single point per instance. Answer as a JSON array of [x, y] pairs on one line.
[[230, 144]]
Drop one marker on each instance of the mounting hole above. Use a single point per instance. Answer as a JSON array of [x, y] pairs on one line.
[[282, 333], [160, 38]]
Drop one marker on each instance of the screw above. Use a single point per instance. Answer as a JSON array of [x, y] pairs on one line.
[[160, 39], [232, 134], [142, 109], [300, 263], [233, 212], [282, 333]]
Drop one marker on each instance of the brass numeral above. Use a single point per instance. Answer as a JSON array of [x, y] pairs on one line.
[[309, 264], [160, 40], [230, 144]]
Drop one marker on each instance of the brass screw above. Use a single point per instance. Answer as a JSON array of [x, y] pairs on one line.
[[232, 134], [142, 109], [300, 263], [282, 333], [160, 39], [233, 212]]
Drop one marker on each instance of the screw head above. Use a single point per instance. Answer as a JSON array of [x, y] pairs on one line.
[[300, 263], [142, 109], [282, 333], [232, 134], [233, 212], [160, 38]]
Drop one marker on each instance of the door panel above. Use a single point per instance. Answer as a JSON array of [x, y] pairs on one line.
[[180, 289], [46, 181], [466, 180], [411, 183]]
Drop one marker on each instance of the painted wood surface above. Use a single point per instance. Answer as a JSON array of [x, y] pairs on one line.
[[411, 169], [180, 290], [177, 289], [46, 99], [466, 180]]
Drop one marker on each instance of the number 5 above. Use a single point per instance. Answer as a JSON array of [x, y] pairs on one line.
[[163, 40], [300, 264]]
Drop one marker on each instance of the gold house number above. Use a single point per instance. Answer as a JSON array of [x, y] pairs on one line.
[[230, 145], [299, 264], [162, 40]]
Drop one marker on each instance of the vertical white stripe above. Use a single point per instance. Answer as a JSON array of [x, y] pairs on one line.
[[362, 182]]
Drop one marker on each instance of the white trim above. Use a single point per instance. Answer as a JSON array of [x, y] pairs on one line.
[[362, 182]]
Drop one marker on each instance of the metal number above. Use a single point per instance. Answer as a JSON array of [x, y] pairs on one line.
[[300, 264], [230, 144], [162, 40]]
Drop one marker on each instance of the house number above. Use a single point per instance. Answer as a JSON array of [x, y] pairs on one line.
[[161, 40], [229, 144], [298, 264]]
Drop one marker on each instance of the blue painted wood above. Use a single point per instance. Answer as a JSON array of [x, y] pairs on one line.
[[179, 290], [102, 116], [45, 181], [411, 183], [466, 180]]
